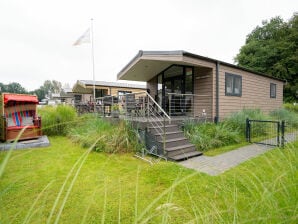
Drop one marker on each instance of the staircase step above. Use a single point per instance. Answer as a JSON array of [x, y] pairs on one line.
[[176, 142], [168, 128], [177, 150], [170, 135], [177, 147], [185, 155], [170, 149]]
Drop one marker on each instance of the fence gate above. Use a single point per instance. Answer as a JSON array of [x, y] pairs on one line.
[[265, 132]]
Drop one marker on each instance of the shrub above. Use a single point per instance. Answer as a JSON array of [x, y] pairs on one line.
[[291, 107], [57, 120], [209, 135], [237, 121], [289, 116], [110, 138]]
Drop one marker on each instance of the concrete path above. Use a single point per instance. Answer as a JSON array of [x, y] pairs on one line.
[[42, 141], [216, 165]]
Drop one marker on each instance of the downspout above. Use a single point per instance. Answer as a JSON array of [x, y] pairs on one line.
[[216, 119]]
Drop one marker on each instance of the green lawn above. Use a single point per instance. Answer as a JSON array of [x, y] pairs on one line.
[[122, 189]]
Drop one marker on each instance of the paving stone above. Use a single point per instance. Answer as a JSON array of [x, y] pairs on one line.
[[216, 165]]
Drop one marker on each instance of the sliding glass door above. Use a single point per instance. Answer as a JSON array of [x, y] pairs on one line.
[[173, 83]]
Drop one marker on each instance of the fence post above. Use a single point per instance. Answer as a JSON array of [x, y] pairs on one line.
[[278, 131], [283, 133], [247, 130]]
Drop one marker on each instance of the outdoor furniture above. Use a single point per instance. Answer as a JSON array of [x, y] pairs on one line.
[[108, 102], [130, 103], [18, 111]]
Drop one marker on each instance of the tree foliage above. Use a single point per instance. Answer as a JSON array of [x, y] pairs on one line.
[[273, 49], [12, 87], [48, 87]]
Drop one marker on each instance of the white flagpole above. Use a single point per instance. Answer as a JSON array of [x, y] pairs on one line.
[[92, 55]]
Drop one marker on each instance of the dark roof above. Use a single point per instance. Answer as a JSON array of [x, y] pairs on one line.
[[112, 84], [185, 53]]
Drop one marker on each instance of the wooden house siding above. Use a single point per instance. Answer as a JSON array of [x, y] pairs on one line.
[[203, 91], [255, 93], [198, 62], [205, 86], [152, 86], [255, 89]]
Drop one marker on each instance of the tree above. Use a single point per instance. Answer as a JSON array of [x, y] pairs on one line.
[[53, 86], [3, 88], [40, 93], [15, 87], [273, 49], [47, 88], [12, 87]]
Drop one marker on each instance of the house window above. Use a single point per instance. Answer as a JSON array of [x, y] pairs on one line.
[[121, 93], [100, 92], [77, 98], [233, 85], [272, 90]]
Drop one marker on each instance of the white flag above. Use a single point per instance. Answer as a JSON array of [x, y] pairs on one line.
[[85, 38]]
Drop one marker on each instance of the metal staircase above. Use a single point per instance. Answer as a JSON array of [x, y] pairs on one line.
[[163, 136], [176, 146]]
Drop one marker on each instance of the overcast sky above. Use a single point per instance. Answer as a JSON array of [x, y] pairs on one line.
[[37, 36]]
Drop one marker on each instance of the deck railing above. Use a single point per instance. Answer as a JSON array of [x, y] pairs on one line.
[[142, 107], [189, 105], [136, 107]]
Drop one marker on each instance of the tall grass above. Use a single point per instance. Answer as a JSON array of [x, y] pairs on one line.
[[237, 120], [56, 120], [94, 188], [67, 184], [290, 117], [115, 137], [232, 129], [209, 135]]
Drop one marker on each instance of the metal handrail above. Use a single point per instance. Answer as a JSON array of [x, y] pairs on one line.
[[187, 94], [188, 105], [154, 113], [159, 107], [134, 108]]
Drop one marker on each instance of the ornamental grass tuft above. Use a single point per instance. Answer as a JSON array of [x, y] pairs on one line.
[[114, 137]]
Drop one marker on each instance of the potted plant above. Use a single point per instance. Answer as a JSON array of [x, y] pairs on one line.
[[115, 111]]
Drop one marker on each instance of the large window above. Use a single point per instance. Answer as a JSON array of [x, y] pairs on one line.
[[272, 90], [189, 80], [174, 80], [100, 92], [233, 85], [122, 93]]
